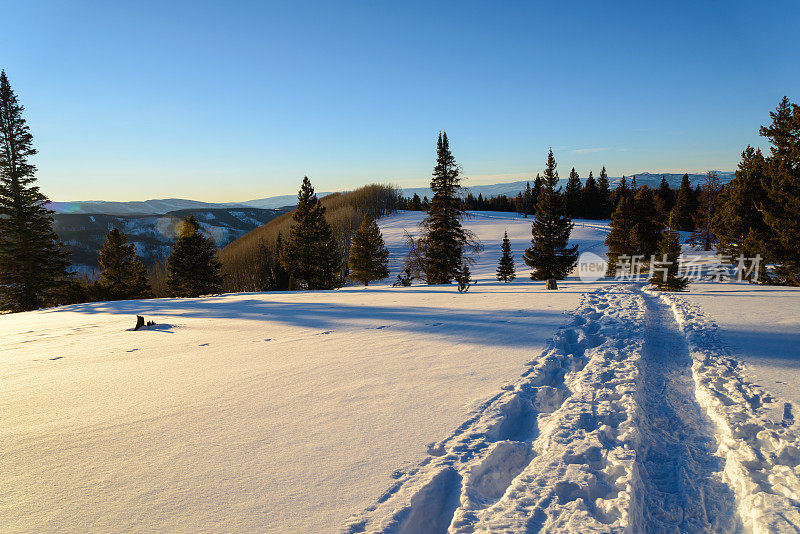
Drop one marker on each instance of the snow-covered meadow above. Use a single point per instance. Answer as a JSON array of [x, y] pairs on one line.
[[509, 408]]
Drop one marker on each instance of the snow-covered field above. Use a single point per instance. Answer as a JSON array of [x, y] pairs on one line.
[[598, 407]]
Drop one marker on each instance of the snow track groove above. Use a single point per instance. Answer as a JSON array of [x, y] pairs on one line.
[[762, 456], [633, 419], [681, 486], [555, 450]]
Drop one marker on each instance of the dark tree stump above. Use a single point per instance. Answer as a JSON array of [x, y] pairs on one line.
[[551, 283], [139, 322]]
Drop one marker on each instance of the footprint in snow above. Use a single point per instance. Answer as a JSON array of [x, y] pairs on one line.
[[56, 358], [132, 350], [204, 344], [325, 333]]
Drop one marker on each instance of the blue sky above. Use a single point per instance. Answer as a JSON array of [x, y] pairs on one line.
[[225, 101]]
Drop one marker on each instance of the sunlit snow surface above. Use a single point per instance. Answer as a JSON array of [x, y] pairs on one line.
[[395, 409]]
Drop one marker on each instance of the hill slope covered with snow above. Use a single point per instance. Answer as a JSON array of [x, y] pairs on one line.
[[597, 407]]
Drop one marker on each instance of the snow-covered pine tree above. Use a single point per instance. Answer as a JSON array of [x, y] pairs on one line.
[[618, 240], [665, 274], [443, 234], [782, 211], [193, 267], [573, 195], [310, 255], [505, 268], [124, 276], [369, 257], [33, 263], [550, 255]]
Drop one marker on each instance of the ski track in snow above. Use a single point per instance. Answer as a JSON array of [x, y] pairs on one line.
[[762, 456], [633, 419]]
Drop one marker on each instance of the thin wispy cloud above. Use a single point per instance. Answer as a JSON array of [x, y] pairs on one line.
[[590, 150]]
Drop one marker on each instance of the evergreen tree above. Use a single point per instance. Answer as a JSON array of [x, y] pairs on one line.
[[680, 217], [621, 191], [505, 268], [443, 234], [647, 228], [310, 254], [605, 193], [739, 224], [282, 278], [573, 195], [463, 278], [665, 274], [619, 240], [550, 255], [193, 267], [592, 199], [538, 185], [707, 208], [665, 199], [782, 210], [528, 201], [124, 276], [369, 258], [415, 204], [32, 261]]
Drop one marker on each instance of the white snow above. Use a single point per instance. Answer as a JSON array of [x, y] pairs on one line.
[[598, 407]]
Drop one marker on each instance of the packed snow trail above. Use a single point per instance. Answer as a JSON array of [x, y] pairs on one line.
[[634, 419], [553, 451], [762, 456], [681, 485]]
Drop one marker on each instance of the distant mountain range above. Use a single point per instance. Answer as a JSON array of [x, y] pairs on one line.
[[163, 206]]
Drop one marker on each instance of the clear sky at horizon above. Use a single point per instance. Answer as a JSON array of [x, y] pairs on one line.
[[238, 100]]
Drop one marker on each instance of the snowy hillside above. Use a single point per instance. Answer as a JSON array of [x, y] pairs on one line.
[[597, 407]]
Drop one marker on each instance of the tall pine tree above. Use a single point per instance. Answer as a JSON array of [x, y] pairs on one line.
[[32, 261], [782, 210], [310, 255], [124, 276], [707, 209], [592, 199], [193, 267], [680, 217], [550, 255], [647, 228], [573, 195], [505, 268], [605, 193], [619, 240], [369, 257], [443, 234], [739, 224]]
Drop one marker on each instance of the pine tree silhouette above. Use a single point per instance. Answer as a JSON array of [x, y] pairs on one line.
[[369, 258], [505, 268], [550, 255], [310, 254], [193, 267], [124, 276], [33, 263]]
